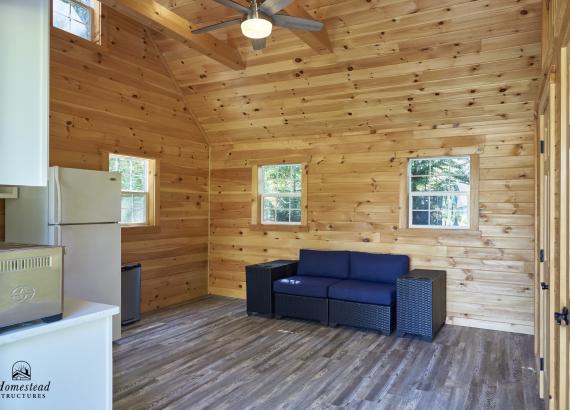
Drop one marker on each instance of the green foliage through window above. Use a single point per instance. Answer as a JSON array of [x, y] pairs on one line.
[[134, 187], [439, 190], [280, 187]]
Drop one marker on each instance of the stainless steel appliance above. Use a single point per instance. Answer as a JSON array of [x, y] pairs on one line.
[[31, 283], [80, 210]]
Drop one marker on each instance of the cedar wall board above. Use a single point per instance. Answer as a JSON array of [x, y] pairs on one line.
[[119, 97]]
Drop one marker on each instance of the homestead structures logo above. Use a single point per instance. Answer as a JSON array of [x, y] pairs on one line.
[[21, 371], [22, 386]]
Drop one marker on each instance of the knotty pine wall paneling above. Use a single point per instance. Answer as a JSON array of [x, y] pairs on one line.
[[553, 347], [119, 97], [406, 78], [353, 203], [396, 64]]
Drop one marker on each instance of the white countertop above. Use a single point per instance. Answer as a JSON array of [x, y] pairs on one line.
[[75, 311]]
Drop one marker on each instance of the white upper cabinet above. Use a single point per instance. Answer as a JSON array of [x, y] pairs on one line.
[[24, 92]]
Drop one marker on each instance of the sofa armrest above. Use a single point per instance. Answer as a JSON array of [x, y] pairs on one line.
[[279, 268]]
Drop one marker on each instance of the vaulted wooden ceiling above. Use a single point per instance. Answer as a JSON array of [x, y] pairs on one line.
[[395, 64]]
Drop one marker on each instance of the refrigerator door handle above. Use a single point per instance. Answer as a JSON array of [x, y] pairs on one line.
[[55, 236], [58, 204]]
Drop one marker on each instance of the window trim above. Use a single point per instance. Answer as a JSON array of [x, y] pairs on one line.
[[96, 22], [153, 194], [411, 195], [405, 197], [263, 195], [257, 200]]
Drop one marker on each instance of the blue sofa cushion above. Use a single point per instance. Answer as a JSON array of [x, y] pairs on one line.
[[378, 267], [330, 264], [304, 286], [363, 292]]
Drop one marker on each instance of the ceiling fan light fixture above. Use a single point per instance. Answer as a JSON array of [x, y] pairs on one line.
[[256, 28]]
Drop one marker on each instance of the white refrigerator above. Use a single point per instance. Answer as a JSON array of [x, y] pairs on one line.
[[79, 210]]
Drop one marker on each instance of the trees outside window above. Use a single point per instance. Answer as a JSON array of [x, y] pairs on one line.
[[439, 192]]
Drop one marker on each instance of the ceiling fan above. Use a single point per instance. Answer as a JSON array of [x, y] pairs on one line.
[[258, 21]]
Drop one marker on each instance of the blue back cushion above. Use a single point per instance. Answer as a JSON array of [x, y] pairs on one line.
[[332, 264], [378, 267]]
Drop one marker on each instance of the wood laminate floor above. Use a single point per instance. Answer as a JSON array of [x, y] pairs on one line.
[[209, 354]]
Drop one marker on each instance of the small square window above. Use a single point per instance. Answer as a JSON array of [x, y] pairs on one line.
[[137, 194], [78, 17], [280, 190], [439, 192]]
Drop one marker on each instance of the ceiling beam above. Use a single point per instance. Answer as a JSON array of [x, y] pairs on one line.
[[159, 18], [317, 40]]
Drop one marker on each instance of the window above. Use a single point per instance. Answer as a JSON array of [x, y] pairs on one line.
[[280, 190], [77, 17], [439, 191], [138, 199]]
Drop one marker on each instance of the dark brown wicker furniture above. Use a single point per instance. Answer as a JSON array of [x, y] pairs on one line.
[[421, 303], [304, 307], [364, 315], [342, 288], [259, 284]]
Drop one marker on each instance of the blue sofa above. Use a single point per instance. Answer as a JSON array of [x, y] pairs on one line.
[[342, 288]]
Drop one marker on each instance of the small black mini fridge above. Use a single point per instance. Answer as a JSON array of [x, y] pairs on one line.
[[130, 293]]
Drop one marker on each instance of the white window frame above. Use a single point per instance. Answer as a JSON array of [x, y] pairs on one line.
[[412, 194], [146, 191], [92, 15], [278, 195]]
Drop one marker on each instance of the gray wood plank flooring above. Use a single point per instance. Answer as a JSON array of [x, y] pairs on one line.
[[209, 354]]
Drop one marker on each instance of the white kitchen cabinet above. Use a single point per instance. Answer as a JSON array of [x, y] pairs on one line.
[[72, 358], [24, 92]]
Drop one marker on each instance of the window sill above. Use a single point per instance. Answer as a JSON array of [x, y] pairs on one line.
[[67, 36], [142, 229], [279, 227], [432, 231]]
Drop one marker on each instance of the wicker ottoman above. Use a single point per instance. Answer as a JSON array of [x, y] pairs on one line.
[[421, 303]]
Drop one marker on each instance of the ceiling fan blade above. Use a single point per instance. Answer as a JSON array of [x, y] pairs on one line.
[[217, 26], [270, 7], [233, 5], [297, 23], [258, 43]]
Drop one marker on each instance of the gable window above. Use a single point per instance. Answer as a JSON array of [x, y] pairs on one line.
[[280, 190], [78, 17], [138, 193], [439, 192]]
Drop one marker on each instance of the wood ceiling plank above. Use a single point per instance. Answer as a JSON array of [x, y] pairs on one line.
[[159, 18]]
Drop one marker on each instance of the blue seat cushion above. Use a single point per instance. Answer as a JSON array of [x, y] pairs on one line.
[[363, 292], [304, 286], [378, 267], [330, 264]]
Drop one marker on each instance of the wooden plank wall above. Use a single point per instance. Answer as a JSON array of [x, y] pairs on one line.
[[555, 94], [407, 78], [396, 64], [120, 97], [353, 200]]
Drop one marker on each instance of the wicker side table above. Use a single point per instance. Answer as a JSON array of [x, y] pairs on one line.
[[259, 284], [421, 303]]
